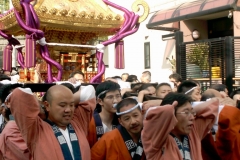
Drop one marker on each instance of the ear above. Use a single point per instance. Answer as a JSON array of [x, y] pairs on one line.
[[100, 101], [47, 105], [120, 121]]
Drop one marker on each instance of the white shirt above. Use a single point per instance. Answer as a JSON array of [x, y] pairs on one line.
[[105, 128], [67, 138], [1, 119]]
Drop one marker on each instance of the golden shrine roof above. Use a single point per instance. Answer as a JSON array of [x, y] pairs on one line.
[[89, 16]]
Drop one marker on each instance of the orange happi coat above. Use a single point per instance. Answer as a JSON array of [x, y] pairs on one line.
[[111, 146], [228, 136]]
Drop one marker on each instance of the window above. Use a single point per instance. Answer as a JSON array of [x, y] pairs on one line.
[[147, 55]]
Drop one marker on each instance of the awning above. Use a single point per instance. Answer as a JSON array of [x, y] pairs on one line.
[[191, 10]]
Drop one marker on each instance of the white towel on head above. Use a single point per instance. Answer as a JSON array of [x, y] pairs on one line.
[[75, 85], [7, 82], [87, 92]]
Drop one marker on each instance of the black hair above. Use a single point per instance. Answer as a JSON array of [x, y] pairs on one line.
[[163, 84], [145, 86], [174, 96], [69, 86], [106, 86], [5, 90], [237, 91], [44, 98], [176, 76], [218, 87], [126, 102], [4, 77], [186, 86], [76, 72], [132, 78]]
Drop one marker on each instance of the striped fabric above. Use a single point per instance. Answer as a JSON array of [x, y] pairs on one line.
[[7, 58], [119, 55], [30, 55]]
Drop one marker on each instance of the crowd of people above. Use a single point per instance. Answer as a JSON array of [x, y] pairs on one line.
[[122, 118]]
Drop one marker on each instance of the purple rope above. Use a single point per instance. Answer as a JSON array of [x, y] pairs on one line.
[[14, 42], [101, 68], [32, 30], [129, 27]]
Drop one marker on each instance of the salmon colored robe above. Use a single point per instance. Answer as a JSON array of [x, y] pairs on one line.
[[111, 146], [12, 145], [157, 142], [92, 133], [228, 135], [39, 135]]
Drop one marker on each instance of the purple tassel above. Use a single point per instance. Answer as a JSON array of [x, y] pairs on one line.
[[30, 55], [7, 58], [119, 55]]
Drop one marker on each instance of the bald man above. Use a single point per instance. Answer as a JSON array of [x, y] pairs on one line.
[[63, 135]]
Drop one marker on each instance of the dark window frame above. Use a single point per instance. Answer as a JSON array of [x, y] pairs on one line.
[[147, 53]]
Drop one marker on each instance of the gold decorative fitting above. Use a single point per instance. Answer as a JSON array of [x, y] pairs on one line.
[[73, 0], [100, 16], [53, 11], [136, 8], [43, 9], [82, 14], [63, 12], [91, 15], [117, 17], [73, 13], [109, 17], [17, 5]]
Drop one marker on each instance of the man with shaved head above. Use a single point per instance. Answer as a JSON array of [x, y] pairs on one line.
[[63, 135]]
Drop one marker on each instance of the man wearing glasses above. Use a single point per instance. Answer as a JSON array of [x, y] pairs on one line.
[[178, 129]]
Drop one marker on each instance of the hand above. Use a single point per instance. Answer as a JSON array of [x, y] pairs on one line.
[[227, 101]]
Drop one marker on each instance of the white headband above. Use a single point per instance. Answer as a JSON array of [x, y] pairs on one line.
[[130, 110], [190, 90], [102, 93]]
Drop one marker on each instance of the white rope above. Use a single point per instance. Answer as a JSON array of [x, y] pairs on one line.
[[130, 110], [71, 45], [190, 90], [18, 46], [99, 47]]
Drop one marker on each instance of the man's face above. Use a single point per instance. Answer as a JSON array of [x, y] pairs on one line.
[[163, 91], [124, 77], [185, 121], [144, 79], [132, 121], [61, 108], [152, 90], [196, 94], [176, 83], [79, 77], [111, 98]]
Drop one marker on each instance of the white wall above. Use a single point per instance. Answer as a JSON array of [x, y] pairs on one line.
[[134, 52]]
